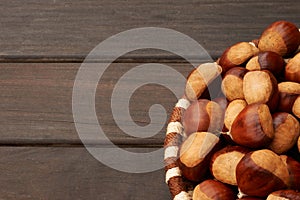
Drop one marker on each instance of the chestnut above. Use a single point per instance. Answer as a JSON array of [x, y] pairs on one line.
[[251, 198], [222, 101], [281, 37], [203, 115], [267, 60], [294, 171], [253, 64], [284, 195], [261, 87], [286, 132], [271, 61], [236, 55], [261, 172], [223, 163], [213, 190], [232, 84], [232, 110], [298, 144], [253, 126], [200, 78], [292, 69], [195, 153], [288, 93], [296, 107]]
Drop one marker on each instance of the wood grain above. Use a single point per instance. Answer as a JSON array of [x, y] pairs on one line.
[[65, 30], [42, 44], [36, 103], [71, 173]]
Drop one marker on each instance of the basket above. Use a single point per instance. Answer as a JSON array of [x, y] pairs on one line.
[[180, 188]]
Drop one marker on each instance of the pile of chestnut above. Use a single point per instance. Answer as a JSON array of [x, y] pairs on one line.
[[245, 144]]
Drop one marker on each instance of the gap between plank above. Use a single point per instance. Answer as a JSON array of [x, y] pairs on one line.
[[81, 58]]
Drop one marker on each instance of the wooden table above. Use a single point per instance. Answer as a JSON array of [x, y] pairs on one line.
[[42, 45]]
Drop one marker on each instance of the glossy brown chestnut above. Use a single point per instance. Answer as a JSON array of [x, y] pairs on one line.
[[213, 190], [281, 37], [298, 144], [261, 87], [251, 198], [232, 111], [222, 101], [200, 78], [294, 171], [195, 154], [203, 115], [232, 84], [286, 132], [296, 107], [223, 163], [271, 61], [253, 126], [267, 60], [261, 172], [236, 55], [288, 93], [292, 69], [284, 195]]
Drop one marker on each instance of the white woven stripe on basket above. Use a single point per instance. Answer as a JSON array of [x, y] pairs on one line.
[[174, 127], [183, 196], [173, 172], [172, 151], [183, 103]]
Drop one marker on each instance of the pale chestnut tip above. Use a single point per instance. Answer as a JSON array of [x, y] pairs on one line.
[[199, 79]]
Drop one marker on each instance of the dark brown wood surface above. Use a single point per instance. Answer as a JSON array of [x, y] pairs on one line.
[[42, 45], [71, 173], [36, 102], [69, 30]]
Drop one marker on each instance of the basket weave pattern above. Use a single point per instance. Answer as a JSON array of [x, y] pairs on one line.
[[180, 188]]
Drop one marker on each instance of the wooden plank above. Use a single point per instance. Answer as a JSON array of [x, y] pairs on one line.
[[36, 103], [71, 173], [68, 30]]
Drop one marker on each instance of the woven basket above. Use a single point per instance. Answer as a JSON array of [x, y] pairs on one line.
[[180, 188]]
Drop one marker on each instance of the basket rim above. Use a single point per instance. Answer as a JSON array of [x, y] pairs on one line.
[[180, 188]]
